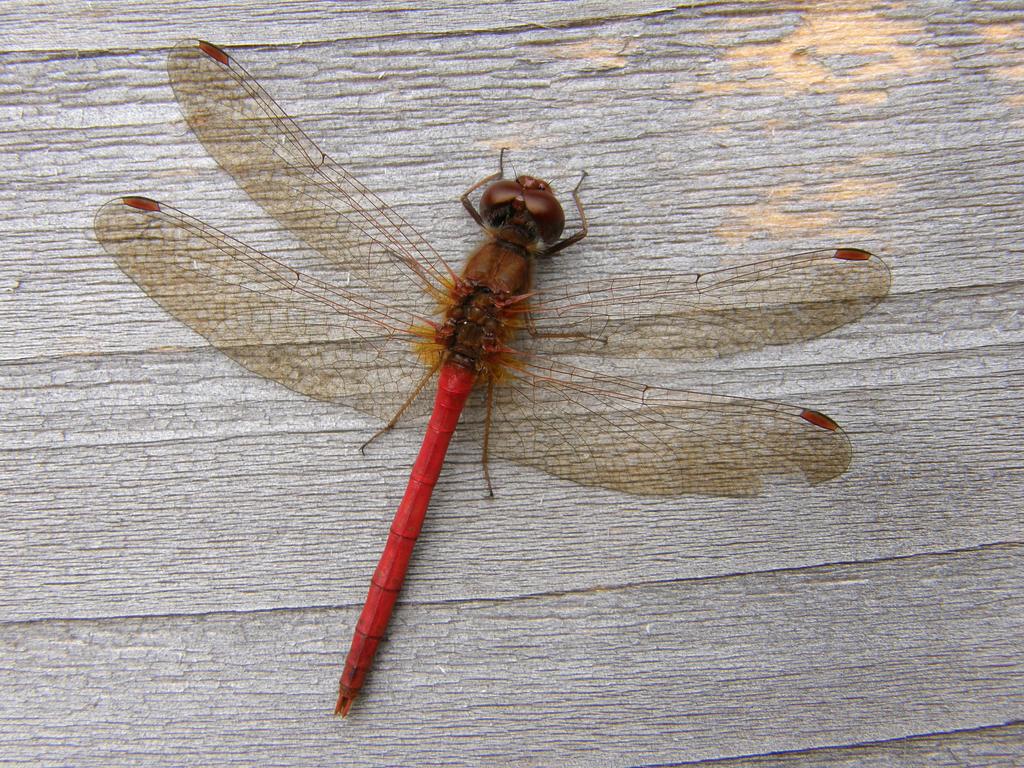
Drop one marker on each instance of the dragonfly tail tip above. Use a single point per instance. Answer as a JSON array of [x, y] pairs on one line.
[[344, 704]]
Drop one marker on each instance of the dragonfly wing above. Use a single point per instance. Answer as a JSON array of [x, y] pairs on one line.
[[618, 434], [280, 168], [312, 337], [777, 301]]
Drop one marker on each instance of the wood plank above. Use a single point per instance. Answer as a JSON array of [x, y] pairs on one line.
[[187, 544], [995, 746], [633, 675], [178, 469]]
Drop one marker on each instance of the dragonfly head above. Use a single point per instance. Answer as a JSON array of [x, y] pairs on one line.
[[527, 203]]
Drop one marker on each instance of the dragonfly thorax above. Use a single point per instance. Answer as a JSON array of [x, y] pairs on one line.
[[475, 329]]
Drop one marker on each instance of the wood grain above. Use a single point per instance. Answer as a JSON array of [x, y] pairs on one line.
[[187, 545]]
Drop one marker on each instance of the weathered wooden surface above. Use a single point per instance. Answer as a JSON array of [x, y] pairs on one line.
[[186, 545]]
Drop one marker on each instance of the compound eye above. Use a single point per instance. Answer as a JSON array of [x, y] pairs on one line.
[[546, 212], [498, 195]]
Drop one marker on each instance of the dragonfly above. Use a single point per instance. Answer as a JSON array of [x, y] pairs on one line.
[[376, 319]]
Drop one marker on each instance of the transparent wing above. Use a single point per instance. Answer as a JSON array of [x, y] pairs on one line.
[[776, 301], [280, 168], [315, 338], [323, 341], [614, 433]]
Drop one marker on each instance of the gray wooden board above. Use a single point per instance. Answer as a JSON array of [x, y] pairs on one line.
[[186, 545]]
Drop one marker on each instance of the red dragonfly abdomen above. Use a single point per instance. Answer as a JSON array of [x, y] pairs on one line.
[[453, 387], [472, 335]]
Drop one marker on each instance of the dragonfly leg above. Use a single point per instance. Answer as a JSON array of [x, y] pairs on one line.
[[405, 406], [487, 435], [468, 204], [577, 236]]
